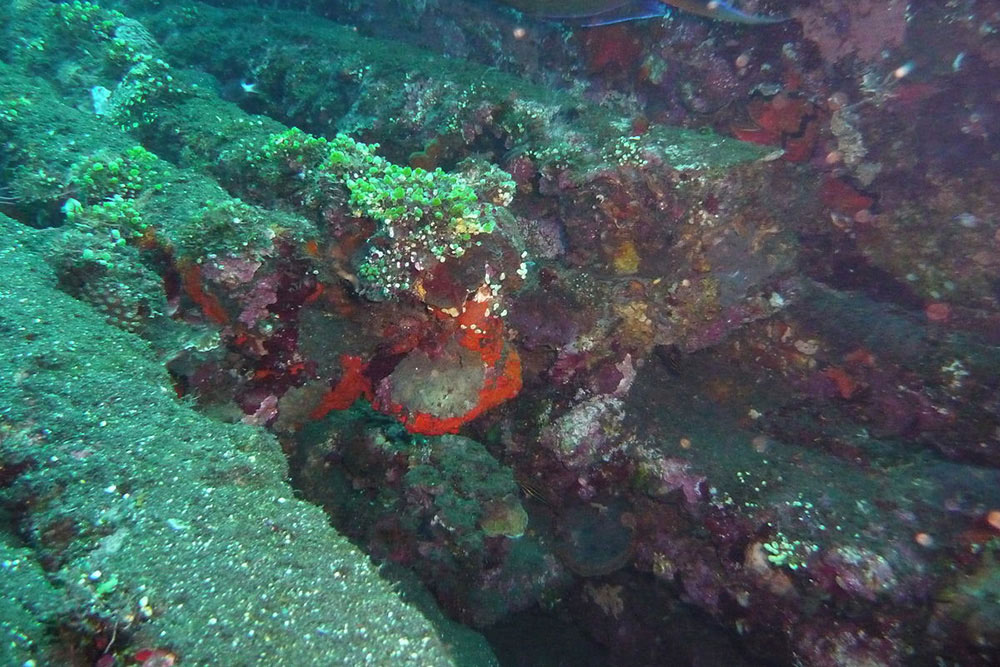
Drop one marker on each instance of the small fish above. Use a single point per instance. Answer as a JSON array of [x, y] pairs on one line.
[[533, 490], [605, 12]]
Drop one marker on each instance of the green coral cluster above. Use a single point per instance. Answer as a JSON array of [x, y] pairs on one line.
[[108, 186], [290, 162], [429, 201], [100, 177], [84, 19], [10, 109], [783, 551], [421, 216], [118, 219], [404, 193], [148, 80], [103, 269], [124, 52]]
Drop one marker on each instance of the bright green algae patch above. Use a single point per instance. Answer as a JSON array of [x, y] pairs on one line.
[[182, 524], [420, 216]]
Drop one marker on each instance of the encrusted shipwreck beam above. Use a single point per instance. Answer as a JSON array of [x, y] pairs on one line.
[[162, 530]]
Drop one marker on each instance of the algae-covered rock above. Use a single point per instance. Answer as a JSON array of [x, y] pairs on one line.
[[28, 603], [162, 528]]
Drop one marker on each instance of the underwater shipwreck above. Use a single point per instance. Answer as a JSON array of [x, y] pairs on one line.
[[461, 332]]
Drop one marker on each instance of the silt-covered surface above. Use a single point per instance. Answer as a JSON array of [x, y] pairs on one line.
[[153, 521]]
